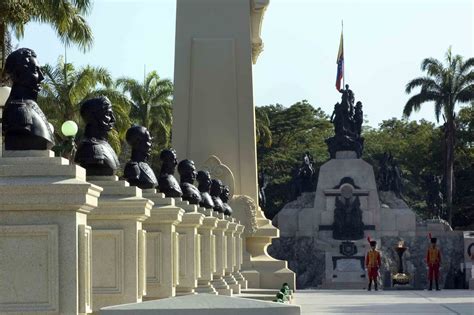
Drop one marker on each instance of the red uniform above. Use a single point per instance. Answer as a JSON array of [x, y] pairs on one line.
[[372, 263], [433, 260]]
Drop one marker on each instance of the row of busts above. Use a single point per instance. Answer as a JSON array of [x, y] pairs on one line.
[[98, 158], [210, 193], [26, 128]]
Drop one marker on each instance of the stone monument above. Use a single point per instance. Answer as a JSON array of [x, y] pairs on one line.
[[213, 114], [330, 225]]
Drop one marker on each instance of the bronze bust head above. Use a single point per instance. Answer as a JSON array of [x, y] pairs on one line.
[[204, 185], [24, 123], [225, 198], [187, 175], [216, 191], [94, 153], [137, 171], [167, 183]]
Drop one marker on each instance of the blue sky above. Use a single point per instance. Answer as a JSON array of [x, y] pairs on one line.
[[384, 40]]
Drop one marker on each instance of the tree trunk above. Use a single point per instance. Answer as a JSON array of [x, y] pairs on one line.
[[449, 168]]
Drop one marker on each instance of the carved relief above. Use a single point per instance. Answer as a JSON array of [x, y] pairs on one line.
[[220, 171], [245, 211], [258, 8]]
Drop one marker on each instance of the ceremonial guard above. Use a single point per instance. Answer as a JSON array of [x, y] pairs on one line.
[[372, 264], [433, 260]]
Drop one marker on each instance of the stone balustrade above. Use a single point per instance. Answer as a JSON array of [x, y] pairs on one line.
[[85, 252]]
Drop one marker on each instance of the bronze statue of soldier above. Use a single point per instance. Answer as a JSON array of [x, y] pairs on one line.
[[137, 171], [167, 183], [94, 153], [204, 186], [24, 124], [187, 176]]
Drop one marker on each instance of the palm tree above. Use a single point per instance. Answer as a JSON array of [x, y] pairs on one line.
[[65, 88], [262, 127], [151, 105], [445, 86], [65, 16]]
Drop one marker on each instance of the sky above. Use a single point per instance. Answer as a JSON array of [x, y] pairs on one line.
[[384, 42]]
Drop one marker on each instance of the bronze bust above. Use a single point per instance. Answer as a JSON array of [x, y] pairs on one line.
[[225, 198], [187, 175], [216, 192], [137, 171], [167, 183], [204, 185], [94, 153], [24, 124]]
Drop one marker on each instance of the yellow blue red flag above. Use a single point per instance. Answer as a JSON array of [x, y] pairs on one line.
[[340, 64]]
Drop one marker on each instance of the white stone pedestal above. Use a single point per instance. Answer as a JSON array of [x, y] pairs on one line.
[[118, 243], [258, 268], [45, 242], [208, 252], [238, 257], [221, 256], [230, 261], [189, 249], [162, 245]]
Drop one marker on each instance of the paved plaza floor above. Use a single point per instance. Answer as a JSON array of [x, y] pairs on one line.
[[385, 302]]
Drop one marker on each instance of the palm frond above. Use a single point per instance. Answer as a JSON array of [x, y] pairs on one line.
[[433, 66], [414, 103], [466, 95], [425, 82]]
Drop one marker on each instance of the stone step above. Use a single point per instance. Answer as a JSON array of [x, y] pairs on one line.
[[260, 294], [261, 297], [343, 286], [259, 291]]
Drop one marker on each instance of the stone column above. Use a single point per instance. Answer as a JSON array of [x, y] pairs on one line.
[[214, 113], [208, 255], [162, 246], [231, 259], [45, 242], [238, 257], [118, 249], [189, 249], [221, 256]]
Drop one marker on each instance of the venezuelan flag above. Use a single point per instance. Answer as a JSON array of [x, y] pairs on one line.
[[340, 65]]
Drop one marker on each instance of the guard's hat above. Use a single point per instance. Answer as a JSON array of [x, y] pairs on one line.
[[433, 240], [373, 243]]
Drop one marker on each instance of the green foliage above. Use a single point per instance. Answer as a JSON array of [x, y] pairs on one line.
[[417, 146], [463, 206], [65, 16], [445, 85], [293, 131]]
